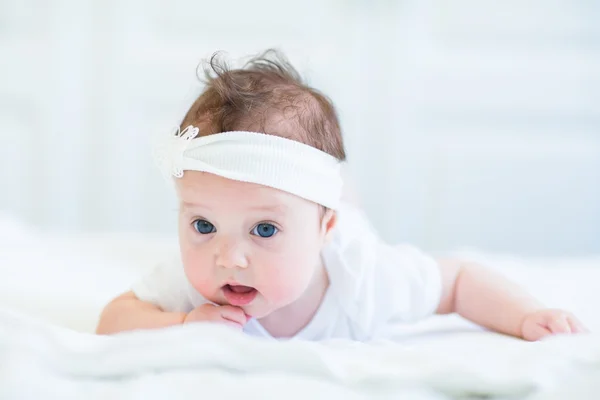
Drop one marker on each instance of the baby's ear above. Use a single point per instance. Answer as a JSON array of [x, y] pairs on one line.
[[328, 222]]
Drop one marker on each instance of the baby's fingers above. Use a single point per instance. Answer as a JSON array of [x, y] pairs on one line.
[[559, 324], [231, 324], [219, 317], [576, 325], [233, 314], [536, 332]]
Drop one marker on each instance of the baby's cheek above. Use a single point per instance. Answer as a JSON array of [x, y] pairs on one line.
[[277, 294], [196, 278], [285, 283], [199, 278]]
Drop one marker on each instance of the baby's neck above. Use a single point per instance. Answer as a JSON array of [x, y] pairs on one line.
[[289, 320]]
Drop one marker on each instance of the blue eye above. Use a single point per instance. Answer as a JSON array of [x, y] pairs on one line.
[[204, 227], [264, 230]]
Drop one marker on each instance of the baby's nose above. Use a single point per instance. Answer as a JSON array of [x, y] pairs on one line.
[[231, 254]]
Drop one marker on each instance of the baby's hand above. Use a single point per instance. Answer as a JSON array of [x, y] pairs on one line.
[[228, 315], [542, 323]]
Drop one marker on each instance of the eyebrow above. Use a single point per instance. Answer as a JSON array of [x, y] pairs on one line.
[[187, 204], [275, 208]]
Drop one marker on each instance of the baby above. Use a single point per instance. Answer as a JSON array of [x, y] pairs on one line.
[[267, 245]]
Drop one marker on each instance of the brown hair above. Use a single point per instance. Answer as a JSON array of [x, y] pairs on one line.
[[266, 95]]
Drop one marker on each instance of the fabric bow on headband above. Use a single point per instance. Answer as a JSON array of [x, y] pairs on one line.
[[168, 153]]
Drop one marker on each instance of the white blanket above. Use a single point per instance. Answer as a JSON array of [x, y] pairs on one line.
[[210, 361], [62, 283]]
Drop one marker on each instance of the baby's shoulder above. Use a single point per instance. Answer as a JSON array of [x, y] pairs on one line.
[[351, 253], [376, 282], [353, 227], [353, 243], [167, 286], [356, 244]]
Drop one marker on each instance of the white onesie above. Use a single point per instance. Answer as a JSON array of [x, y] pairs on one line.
[[372, 285]]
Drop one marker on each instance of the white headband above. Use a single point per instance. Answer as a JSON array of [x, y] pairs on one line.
[[260, 158]]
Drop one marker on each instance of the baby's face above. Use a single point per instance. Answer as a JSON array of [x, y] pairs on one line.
[[247, 245]]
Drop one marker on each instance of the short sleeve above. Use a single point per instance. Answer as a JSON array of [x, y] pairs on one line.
[[379, 284], [167, 287], [407, 283]]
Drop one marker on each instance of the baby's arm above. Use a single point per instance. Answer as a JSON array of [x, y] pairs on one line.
[[492, 301], [127, 312]]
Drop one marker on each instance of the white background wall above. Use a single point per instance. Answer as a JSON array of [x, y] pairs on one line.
[[467, 123]]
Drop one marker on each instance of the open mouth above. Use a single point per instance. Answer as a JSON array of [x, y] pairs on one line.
[[239, 295]]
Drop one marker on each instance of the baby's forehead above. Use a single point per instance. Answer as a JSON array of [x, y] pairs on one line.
[[206, 182], [208, 190]]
